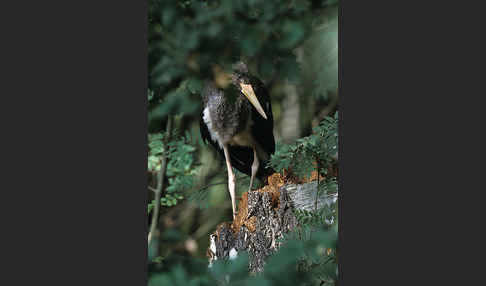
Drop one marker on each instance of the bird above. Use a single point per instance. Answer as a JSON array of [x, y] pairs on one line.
[[237, 121]]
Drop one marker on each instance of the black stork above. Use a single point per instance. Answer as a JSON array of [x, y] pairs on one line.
[[237, 120]]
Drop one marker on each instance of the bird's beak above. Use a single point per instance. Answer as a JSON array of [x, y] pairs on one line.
[[247, 90]]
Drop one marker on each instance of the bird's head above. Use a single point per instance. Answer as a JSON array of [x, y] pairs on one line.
[[241, 79], [240, 68]]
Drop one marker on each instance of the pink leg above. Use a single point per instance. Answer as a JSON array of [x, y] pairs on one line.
[[254, 167], [231, 179]]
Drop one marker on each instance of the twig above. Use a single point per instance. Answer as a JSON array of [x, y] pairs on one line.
[[160, 181], [152, 189]]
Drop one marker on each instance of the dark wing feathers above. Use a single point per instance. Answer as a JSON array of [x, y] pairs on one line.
[[262, 129]]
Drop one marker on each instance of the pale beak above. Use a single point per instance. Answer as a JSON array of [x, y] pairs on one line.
[[247, 90]]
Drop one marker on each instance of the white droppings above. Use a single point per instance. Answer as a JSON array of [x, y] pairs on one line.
[[212, 243], [233, 253], [212, 249]]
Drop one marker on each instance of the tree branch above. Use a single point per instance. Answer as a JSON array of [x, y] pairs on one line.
[[160, 181]]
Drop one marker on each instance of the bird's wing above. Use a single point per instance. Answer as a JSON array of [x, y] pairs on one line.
[[205, 135], [262, 129]]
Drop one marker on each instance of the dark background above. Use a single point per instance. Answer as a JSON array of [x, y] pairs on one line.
[[74, 137]]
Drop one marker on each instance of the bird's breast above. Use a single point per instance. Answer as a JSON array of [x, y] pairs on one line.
[[243, 138]]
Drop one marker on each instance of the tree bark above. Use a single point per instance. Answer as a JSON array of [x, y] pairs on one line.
[[263, 217]]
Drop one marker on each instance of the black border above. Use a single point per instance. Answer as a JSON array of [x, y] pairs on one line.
[[74, 93], [341, 145]]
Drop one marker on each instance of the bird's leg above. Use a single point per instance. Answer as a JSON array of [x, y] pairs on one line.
[[231, 179], [254, 167]]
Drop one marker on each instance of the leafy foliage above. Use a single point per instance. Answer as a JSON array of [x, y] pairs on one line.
[[316, 151], [180, 167], [327, 215]]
